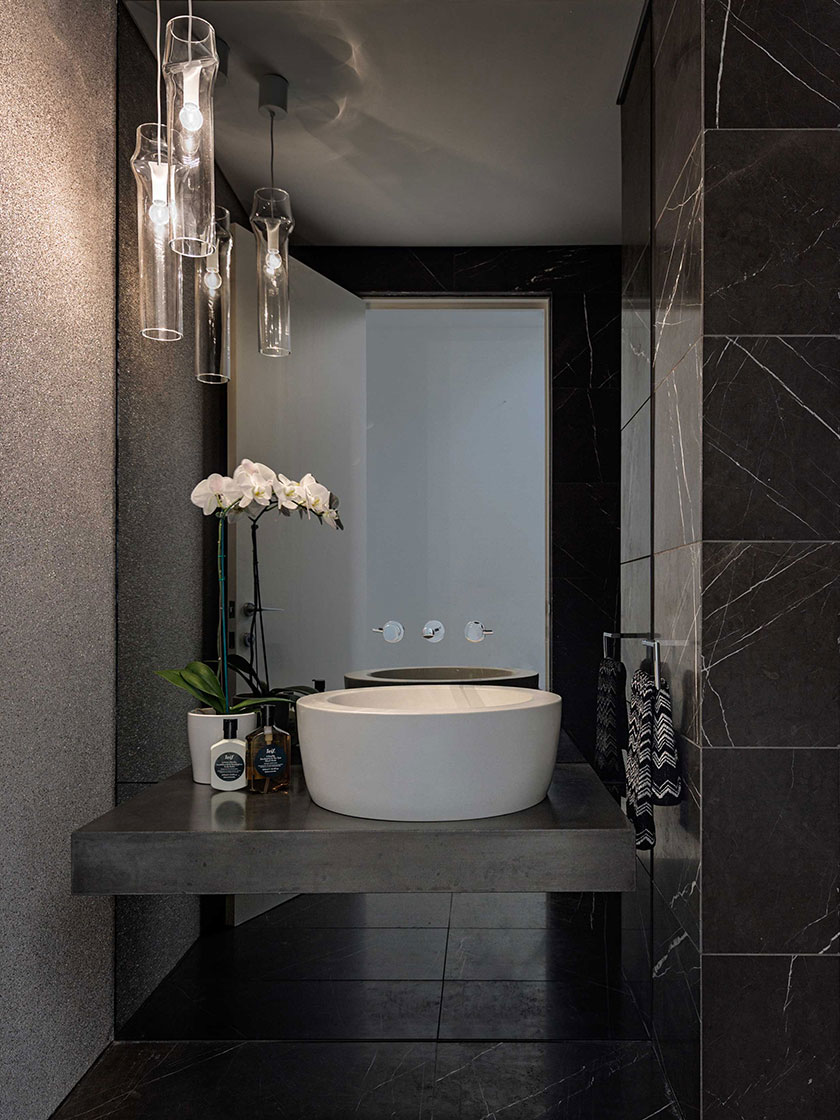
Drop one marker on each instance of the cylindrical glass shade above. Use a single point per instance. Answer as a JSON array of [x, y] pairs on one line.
[[161, 312], [212, 307], [272, 222], [190, 63]]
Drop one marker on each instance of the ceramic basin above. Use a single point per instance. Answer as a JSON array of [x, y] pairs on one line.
[[429, 752], [442, 674]]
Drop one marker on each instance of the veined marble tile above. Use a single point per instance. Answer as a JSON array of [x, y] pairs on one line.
[[772, 238], [676, 615], [635, 486], [769, 645], [771, 851], [677, 98], [677, 446], [771, 439], [772, 64]]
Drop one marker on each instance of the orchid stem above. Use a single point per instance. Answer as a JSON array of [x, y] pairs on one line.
[[223, 661]]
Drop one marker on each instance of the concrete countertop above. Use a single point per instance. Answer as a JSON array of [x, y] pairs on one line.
[[181, 838]]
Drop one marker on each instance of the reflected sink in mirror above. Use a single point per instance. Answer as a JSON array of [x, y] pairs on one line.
[[429, 752], [442, 674]]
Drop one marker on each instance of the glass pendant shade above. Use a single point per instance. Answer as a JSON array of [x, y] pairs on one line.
[[161, 311], [190, 63], [212, 307], [272, 222]]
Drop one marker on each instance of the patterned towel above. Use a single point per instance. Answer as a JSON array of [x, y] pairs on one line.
[[611, 720], [639, 805], [666, 786]]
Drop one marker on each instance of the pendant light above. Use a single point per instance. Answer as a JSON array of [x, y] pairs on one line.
[[212, 306], [272, 222], [161, 311], [190, 63]]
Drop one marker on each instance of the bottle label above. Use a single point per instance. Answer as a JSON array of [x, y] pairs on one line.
[[229, 766], [270, 761]]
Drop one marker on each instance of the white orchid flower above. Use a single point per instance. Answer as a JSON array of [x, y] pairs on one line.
[[330, 517], [257, 482], [287, 493], [317, 496], [216, 492]]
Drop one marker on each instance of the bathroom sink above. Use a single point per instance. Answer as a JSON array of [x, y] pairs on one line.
[[429, 752], [442, 674]]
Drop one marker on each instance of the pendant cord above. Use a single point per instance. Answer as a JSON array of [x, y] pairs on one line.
[[271, 135], [189, 30], [157, 56]]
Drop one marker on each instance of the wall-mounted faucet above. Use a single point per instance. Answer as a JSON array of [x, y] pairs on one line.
[[433, 631], [392, 631], [476, 631]]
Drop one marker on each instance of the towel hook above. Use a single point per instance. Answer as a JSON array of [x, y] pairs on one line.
[[657, 661]]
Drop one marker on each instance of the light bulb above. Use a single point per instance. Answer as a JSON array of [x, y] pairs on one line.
[[191, 117], [212, 281], [159, 213], [273, 263]]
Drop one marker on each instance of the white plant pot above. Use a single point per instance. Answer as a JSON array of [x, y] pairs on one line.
[[206, 727]]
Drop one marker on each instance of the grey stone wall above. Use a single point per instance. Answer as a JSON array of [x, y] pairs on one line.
[[57, 360]]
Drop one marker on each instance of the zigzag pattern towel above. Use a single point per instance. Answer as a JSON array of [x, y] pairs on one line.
[[639, 755], [666, 784], [611, 720]]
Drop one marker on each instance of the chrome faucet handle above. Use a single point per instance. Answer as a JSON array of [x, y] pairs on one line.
[[476, 631], [250, 609], [433, 631], [392, 631]]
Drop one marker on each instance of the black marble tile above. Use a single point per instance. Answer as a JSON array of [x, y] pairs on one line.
[[584, 437], [294, 953], [287, 1009], [676, 616], [772, 64], [677, 90], [592, 957], [556, 269], [585, 347], [635, 486], [636, 315], [677, 269], [635, 609], [525, 1010], [771, 851], [771, 235], [771, 423], [771, 1038], [676, 858], [636, 141], [770, 629], [222, 1080], [678, 409], [582, 609], [384, 271], [584, 528], [551, 1081], [584, 912], [390, 911]]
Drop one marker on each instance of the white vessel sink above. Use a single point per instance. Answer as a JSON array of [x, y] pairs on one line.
[[442, 674], [429, 752]]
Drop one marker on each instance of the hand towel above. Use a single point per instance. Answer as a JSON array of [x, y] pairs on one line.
[[666, 785], [639, 806], [611, 720]]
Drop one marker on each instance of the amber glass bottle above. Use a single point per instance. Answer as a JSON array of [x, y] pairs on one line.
[[269, 751]]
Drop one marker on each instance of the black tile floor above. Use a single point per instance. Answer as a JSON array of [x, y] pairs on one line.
[[435, 1007]]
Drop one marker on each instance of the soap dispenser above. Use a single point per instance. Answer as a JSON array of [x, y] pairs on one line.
[[269, 753], [227, 759]]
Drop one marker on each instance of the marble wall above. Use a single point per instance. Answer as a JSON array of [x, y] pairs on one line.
[[744, 428], [770, 718], [57, 553], [582, 283], [171, 428]]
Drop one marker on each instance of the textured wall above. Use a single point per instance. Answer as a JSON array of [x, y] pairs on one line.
[[582, 282], [171, 434], [57, 550]]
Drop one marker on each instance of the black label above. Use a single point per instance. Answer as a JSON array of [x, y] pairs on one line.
[[229, 766], [269, 761]]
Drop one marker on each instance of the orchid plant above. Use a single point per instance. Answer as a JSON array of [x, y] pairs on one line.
[[253, 490]]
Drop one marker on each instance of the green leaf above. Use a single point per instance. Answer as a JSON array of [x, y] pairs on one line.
[[256, 701], [243, 668], [203, 677], [176, 677]]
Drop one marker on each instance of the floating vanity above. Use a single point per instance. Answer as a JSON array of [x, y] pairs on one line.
[[178, 837]]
